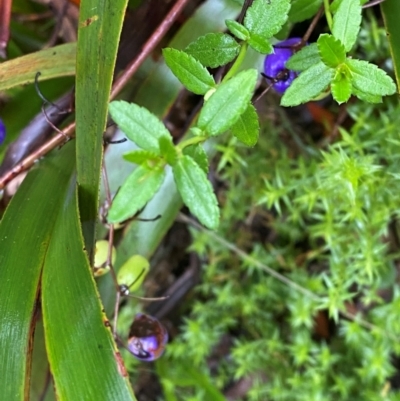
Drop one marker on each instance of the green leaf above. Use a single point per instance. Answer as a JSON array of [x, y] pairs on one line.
[[304, 58], [133, 272], [141, 156], [227, 103], [189, 71], [346, 22], [331, 50], [138, 124], [260, 44], [54, 62], [196, 191], [237, 29], [341, 85], [98, 39], [303, 9], [265, 18], [136, 191], [214, 49], [368, 78], [247, 127], [366, 97], [308, 85], [391, 11], [198, 154], [78, 340], [167, 150], [33, 209]]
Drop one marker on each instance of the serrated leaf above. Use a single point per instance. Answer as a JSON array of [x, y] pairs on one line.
[[368, 78], [140, 156], [366, 97], [304, 58], [168, 150], [237, 29], [196, 191], [199, 155], [247, 127], [190, 72], [136, 191], [227, 103], [265, 18], [260, 44], [214, 49], [138, 124], [346, 22], [341, 88], [308, 85], [303, 9], [331, 50]]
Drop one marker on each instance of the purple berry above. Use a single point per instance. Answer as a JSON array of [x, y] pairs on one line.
[[274, 65], [147, 338], [2, 131]]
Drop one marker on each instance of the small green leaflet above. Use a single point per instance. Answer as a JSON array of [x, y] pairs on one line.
[[140, 156], [136, 191], [331, 50], [308, 85], [264, 18], [341, 84], [167, 150], [199, 155], [303, 9], [196, 191], [214, 49], [368, 78], [346, 23], [247, 127], [190, 72], [227, 103], [138, 124], [304, 58], [237, 29]]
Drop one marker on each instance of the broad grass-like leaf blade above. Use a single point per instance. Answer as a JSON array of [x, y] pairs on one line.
[[229, 101], [25, 232], [56, 62], [84, 359], [100, 25], [190, 72], [391, 12], [196, 191]]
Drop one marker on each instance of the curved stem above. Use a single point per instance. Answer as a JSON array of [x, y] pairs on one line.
[[238, 62]]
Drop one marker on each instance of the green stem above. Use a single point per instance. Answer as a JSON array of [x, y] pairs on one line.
[[191, 141], [328, 14], [238, 62]]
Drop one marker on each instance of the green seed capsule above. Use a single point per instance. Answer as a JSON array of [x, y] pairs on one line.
[[100, 258], [133, 272]]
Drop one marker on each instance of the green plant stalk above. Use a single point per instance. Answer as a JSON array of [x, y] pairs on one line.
[[189, 142], [328, 14], [238, 62]]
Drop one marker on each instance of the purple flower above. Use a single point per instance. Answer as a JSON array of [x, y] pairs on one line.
[[274, 65], [2, 131], [147, 338]]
